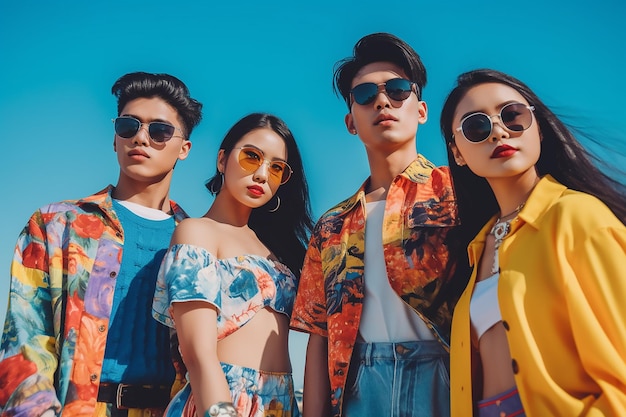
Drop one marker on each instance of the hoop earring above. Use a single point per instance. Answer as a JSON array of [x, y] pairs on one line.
[[212, 187], [275, 209]]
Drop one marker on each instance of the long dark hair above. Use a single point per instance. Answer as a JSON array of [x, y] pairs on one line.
[[284, 231], [562, 156]]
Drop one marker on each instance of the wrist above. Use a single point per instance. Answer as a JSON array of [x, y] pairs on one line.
[[221, 409]]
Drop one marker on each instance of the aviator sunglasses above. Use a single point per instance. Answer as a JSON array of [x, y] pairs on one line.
[[251, 159], [397, 89], [477, 127], [127, 127]]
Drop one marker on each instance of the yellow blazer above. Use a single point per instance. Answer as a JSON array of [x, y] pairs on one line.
[[562, 295]]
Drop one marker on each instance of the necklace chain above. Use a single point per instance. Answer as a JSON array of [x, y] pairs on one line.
[[499, 231]]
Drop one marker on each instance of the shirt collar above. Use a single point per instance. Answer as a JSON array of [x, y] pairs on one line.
[[104, 200], [418, 171], [541, 199]]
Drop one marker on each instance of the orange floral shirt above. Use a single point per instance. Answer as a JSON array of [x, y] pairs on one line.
[[420, 210]]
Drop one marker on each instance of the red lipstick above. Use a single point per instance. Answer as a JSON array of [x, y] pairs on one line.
[[503, 151], [256, 190]]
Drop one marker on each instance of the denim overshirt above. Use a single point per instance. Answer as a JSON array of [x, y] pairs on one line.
[[420, 210]]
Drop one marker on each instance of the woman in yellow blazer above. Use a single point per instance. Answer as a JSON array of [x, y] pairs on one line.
[[540, 329]]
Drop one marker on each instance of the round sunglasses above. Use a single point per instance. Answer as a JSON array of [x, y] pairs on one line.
[[477, 127], [127, 127], [397, 89], [251, 159]]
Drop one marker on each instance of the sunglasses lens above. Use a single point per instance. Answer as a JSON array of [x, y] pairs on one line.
[[251, 159], [160, 132], [516, 117], [281, 171], [126, 127], [476, 127], [365, 93], [398, 89]]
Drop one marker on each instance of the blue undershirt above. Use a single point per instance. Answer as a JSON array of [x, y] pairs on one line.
[[137, 348]]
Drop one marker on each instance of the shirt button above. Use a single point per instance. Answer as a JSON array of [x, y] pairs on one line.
[[514, 366], [113, 274], [102, 328], [340, 372], [505, 324], [93, 377]]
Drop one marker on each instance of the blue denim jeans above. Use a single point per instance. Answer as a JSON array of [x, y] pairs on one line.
[[505, 404], [398, 380]]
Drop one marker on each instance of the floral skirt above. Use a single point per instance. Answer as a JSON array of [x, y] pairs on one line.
[[255, 394]]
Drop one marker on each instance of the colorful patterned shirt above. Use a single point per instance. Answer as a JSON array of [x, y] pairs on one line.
[[62, 284], [420, 211]]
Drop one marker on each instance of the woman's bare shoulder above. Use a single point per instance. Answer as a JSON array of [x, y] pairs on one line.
[[199, 231]]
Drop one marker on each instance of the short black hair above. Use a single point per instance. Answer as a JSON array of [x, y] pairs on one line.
[[378, 47], [167, 87]]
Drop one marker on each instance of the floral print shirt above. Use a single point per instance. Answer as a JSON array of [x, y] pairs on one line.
[[239, 287], [62, 283], [419, 212]]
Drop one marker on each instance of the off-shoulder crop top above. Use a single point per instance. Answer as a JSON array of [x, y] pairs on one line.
[[238, 287], [484, 307]]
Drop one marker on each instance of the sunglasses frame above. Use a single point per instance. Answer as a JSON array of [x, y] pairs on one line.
[[263, 161], [382, 87], [148, 124], [490, 118]]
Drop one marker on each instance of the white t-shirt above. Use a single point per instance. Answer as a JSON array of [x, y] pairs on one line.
[[385, 317], [145, 212]]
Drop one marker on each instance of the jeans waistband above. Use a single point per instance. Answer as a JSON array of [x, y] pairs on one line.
[[398, 350], [507, 403]]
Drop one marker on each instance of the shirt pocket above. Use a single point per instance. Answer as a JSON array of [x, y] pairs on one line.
[[432, 213]]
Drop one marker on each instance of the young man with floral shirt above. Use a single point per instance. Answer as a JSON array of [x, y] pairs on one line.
[[371, 286], [79, 338]]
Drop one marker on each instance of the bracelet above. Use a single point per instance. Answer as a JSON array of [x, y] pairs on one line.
[[221, 409]]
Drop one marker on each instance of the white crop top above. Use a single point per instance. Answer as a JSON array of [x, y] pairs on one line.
[[484, 307]]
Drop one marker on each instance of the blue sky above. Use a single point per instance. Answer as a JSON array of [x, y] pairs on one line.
[[59, 60]]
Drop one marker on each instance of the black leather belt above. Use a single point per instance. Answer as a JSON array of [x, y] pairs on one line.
[[124, 396]]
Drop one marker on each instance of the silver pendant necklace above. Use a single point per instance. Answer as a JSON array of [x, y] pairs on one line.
[[499, 231]]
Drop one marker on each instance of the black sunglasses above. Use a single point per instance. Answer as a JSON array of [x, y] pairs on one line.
[[477, 127], [397, 89], [127, 127]]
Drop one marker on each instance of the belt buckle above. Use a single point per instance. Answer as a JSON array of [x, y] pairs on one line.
[[119, 395]]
